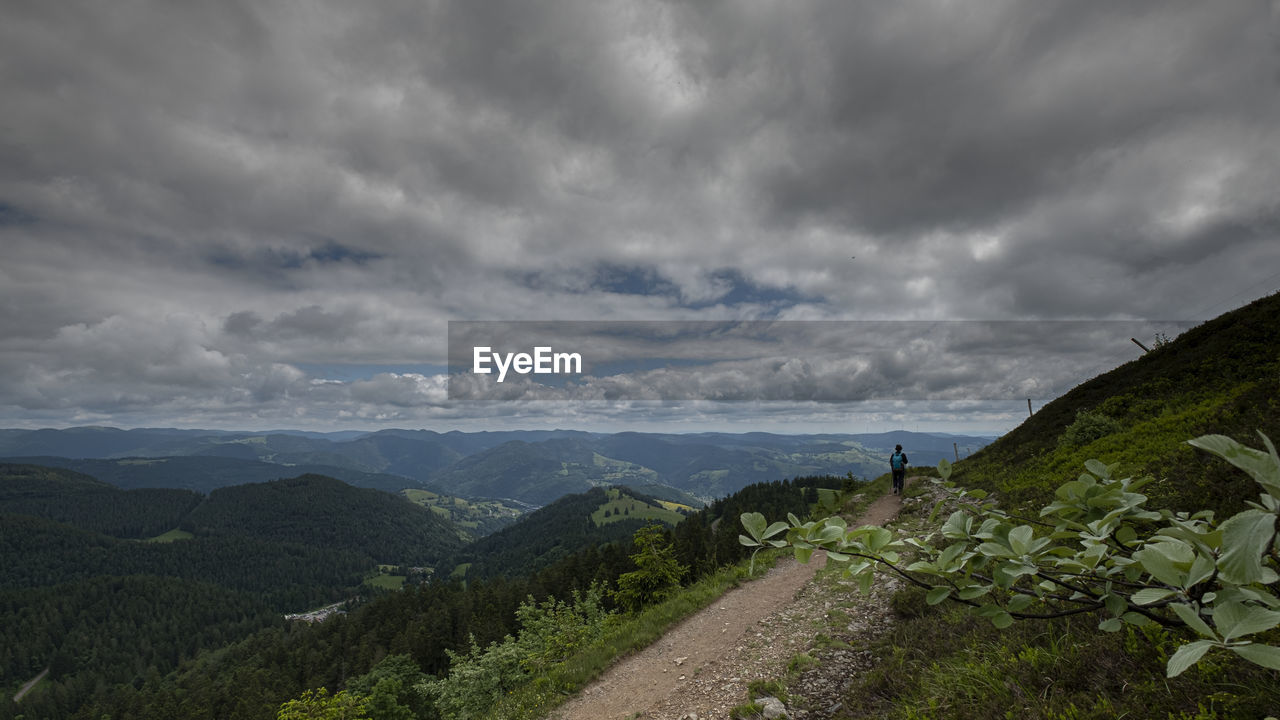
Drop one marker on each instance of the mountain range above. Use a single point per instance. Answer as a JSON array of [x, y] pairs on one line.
[[532, 467]]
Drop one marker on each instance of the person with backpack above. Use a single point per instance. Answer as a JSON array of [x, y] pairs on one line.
[[898, 464]]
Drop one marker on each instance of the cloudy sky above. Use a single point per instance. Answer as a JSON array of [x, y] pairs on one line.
[[266, 214]]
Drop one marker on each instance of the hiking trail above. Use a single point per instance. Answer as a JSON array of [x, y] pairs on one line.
[[700, 668]]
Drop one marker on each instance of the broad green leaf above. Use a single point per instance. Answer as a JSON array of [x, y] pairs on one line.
[[944, 468], [957, 525], [1111, 624], [837, 556], [1020, 539], [1097, 467], [747, 541], [1260, 466], [878, 538], [775, 528], [1003, 577], [1147, 596], [1264, 655], [1002, 620], [1235, 619], [864, 582], [937, 595], [803, 553], [993, 549], [1245, 537], [1115, 603], [948, 556], [754, 523], [1162, 560], [1126, 535], [973, 591], [1193, 620], [795, 521], [1137, 619], [1186, 656], [1018, 603], [828, 499], [1201, 569], [830, 534]]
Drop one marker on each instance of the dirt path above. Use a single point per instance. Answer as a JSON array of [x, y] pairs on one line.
[[700, 668], [30, 684]]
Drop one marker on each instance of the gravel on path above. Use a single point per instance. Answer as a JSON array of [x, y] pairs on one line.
[[700, 669]]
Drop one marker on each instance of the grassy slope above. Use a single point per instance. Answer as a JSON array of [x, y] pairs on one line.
[[623, 506], [1221, 377], [477, 517], [940, 661]]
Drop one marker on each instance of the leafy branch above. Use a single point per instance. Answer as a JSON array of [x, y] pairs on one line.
[[1095, 548]]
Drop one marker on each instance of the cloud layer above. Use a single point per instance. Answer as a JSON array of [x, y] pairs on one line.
[[200, 203]]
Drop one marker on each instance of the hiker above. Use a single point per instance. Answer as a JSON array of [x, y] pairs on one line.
[[898, 463]]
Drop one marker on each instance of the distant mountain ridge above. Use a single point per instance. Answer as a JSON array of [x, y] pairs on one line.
[[311, 510], [533, 466]]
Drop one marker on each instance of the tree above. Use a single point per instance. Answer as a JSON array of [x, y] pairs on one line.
[[657, 571], [1094, 549], [319, 705], [389, 689]]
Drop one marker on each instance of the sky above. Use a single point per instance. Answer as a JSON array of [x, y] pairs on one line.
[[224, 214]]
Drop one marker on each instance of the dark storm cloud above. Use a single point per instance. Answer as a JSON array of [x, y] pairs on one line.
[[197, 199]]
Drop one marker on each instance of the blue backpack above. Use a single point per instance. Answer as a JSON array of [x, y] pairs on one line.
[[895, 461]]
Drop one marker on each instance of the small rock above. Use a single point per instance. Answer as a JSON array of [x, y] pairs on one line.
[[680, 660], [680, 678], [772, 708]]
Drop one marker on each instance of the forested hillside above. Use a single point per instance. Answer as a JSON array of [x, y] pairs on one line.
[[318, 511], [84, 502], [555, 532], [206, 473], [251, 677], [86, 595]]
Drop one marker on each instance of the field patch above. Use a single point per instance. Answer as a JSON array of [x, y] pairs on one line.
[[476, 517], [624, 507], [171, 536]]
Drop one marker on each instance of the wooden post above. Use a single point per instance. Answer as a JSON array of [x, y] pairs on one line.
[[1144, 347], [956, 447], [1028, 407]]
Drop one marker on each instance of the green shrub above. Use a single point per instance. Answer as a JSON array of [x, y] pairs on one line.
[[1097, 550], [1088, 426]]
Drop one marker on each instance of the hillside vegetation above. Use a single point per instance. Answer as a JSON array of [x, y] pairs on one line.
[[942, 661], [320, 511], [430, 628], [1220, 377], [567, 526]]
